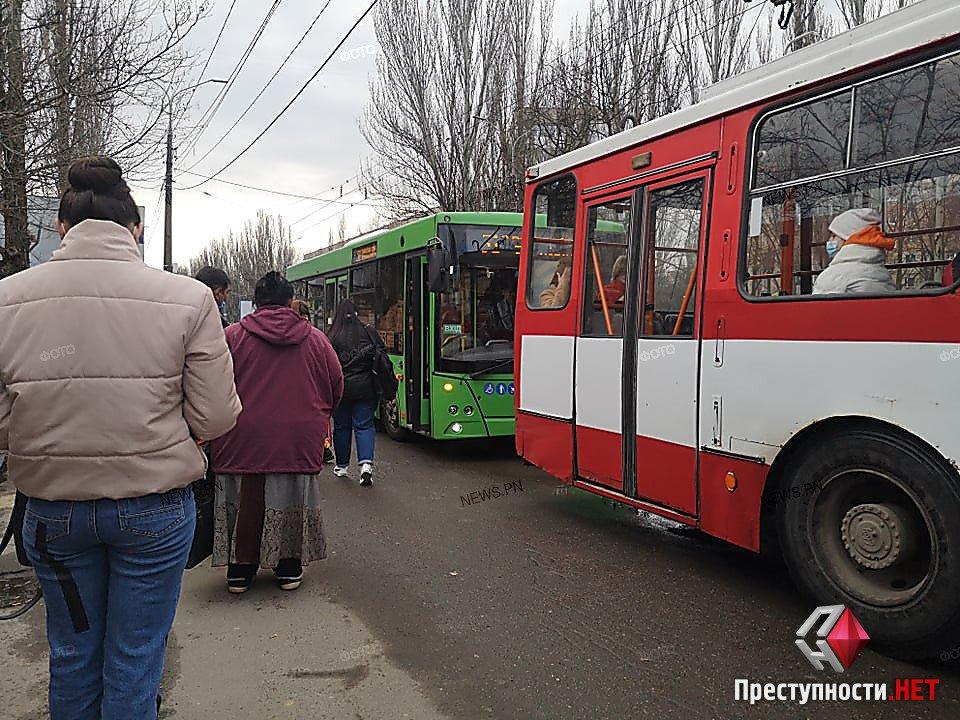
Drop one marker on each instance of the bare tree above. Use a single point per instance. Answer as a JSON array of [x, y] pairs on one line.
[[262, 245], [15, 255], [437, 105], [82, 77], [763, 44], [714, 45], [858, 12], [809, 24]]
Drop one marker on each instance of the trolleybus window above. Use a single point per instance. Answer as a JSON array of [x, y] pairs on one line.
[[908, 113], [551, 247], [803, 141], [605, 281], [903, 168], [673, 250]]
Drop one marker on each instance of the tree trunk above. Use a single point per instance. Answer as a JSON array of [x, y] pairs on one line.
[[15, 255]]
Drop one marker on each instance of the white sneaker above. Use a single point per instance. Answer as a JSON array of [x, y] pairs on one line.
[[366, 474], [340, 471]]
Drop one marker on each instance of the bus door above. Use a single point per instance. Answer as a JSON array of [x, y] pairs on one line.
[[416, 353], [662, 347], [331, 299]]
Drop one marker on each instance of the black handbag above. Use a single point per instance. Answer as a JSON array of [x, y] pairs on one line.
[[204, 495], [386, 377]]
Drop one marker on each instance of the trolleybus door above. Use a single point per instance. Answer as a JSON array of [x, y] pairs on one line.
[[662, 348], [599, 350], [416, 353]]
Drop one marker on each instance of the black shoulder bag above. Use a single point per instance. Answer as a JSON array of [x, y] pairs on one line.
[[386, 378], [204, 495]]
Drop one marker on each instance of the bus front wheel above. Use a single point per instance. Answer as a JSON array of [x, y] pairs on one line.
[[869, 520], [390, 417]]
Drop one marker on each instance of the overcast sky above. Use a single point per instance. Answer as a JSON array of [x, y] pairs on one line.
[[316, 145]]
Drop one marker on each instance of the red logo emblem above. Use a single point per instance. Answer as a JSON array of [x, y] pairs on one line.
[[840, 638]]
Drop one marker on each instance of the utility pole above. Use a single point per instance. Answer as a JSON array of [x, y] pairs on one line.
[[168, 177], [168, 200]]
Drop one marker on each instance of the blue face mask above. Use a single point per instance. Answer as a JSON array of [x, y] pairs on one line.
[[223, 307], [833, 245]]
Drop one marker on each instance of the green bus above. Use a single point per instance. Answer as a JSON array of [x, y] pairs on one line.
[[441, 293]]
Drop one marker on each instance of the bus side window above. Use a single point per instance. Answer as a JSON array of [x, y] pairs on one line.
[[672, 248], [606, 271], [550, 270], [390, 303], [890, 148]]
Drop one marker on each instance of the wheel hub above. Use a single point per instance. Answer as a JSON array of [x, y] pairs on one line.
[[876, 535]]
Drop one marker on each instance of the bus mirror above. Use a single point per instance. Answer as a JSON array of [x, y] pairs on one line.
[[438, 269]]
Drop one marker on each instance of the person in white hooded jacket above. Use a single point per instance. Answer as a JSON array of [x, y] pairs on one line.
[[858, 248]]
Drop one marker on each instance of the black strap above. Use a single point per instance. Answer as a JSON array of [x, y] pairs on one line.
[[71, 593], [374, 338]]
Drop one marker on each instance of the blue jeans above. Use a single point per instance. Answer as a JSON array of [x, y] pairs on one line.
[[110, 572], [354, 417]]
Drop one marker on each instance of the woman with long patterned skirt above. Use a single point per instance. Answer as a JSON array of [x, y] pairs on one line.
[[268, 496]]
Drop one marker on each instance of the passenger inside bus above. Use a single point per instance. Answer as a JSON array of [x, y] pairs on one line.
[[557, 293], [615, 289], [391, 326], [951, 273], [858, 249], [495, 308]]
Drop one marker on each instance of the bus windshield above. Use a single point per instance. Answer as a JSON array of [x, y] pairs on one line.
[[476, 317]]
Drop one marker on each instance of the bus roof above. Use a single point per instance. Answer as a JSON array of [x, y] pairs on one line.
[[416, 234], [923, 23]]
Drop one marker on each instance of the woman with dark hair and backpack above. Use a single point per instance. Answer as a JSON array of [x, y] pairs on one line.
[[268, 466], [110, 373], [356, 345]]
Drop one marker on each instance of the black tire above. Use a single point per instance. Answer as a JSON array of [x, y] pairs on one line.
[[390, 418], [874, 527]]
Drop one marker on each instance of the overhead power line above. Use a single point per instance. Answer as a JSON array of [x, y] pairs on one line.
[[294, 98], [218, 101], [217, 41], [263, 89], [266, 190]]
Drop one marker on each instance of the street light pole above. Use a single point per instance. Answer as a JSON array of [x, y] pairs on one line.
[[168, 177]]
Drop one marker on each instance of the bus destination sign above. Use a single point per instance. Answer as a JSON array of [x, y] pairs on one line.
[[364, 253]]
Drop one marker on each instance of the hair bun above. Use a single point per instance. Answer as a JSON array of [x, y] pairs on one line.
[[273, 279], [100, 175]]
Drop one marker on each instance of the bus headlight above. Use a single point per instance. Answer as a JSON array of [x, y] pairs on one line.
[[468, 411], [453, 409], [456, 428], [448, 387]]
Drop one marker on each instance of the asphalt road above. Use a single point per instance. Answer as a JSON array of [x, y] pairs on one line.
[[535, 604]]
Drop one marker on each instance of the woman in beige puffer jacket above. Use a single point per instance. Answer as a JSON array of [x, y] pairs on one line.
[[110, 374]]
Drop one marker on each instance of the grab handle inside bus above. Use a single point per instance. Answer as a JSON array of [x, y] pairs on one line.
[[600, 292]]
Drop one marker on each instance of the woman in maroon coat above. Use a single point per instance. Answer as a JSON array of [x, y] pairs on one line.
[[268, 498]]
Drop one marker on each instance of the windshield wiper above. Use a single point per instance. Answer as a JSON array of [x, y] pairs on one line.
[[492, 368]]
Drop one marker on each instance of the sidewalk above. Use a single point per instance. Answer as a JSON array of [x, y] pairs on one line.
[[264, 655]]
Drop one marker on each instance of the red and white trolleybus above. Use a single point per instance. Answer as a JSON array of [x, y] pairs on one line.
[[676, 356]]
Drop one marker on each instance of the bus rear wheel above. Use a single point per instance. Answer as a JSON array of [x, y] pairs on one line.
[[390, 417], [877, 532]]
